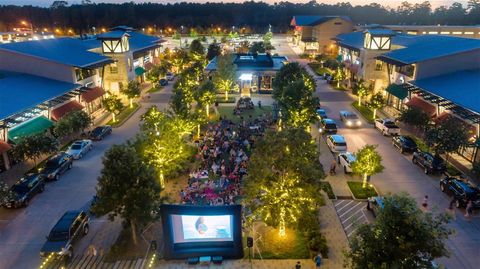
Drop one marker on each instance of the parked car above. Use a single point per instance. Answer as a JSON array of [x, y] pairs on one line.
[[163, 82], [170, 76], [322, 113], [336, 143], [100, 132], [375, 204], [431, 164], [327, 126], [345, 159], [23, 191], [404, 143], [350, 119], [57, 165], [71, 226], [387, 127], [461, 191], [79, 148]]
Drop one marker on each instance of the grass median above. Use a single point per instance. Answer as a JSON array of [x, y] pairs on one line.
[[359, 192], [366, 112], [124, 115]]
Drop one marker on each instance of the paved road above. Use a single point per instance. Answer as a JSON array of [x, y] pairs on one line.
[[23, 231], [401, 175]]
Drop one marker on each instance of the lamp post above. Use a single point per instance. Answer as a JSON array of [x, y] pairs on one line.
[[181, 32]]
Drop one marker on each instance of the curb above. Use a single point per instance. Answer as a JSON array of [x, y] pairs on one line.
[[128, 117]]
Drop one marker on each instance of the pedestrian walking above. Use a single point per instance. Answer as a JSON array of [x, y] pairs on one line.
[[298, 265], [425, 202], [333, 167], [468, 210], [259, 104], [451, 208], [318, 260]]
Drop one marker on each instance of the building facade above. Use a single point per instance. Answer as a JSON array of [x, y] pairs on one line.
[[435, 73], [468, 31], [313, 34]]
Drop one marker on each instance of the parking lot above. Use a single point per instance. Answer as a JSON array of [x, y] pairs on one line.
[[351, 214]]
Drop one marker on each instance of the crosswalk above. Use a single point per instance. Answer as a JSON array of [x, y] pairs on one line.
[[351, 214], [96, 262]]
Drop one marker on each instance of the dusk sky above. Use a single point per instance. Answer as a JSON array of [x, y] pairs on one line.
[[391, 3]]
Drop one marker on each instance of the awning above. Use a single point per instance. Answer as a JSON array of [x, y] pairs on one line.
[[139, 71], [33, 126], [4, 147], [61, 111], [418, 103], [442, 117], [148, 66], [92, 94], [397, 91]]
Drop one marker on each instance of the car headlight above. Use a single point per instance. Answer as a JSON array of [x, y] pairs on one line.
[[359, 123], [320, 130], [349, 123]]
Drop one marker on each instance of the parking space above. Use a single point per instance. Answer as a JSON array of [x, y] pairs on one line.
[[351, 213]]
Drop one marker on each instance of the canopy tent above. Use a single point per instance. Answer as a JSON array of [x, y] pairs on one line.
[[397, 91], [33, 126]]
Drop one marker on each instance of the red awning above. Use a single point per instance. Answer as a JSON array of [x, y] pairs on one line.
[[148, 66], [4, 147], [61, 111], [418, 103], [92, 94], [442, 117]]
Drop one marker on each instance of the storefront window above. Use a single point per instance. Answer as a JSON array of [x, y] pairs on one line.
[[84, 73], [407, 70], [113, 68], [266, 82]]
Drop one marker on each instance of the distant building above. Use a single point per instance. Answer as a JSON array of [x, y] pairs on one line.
[[313, 34], [437, 74], [255, 72], [469, 31]]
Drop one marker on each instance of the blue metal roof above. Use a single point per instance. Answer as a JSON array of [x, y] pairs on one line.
[[117, 34], [139, 41], [381, 32], [417, 47], [428, 47], [67, 51], [257, 64], [461, 88], [312, 20], [19, 92]]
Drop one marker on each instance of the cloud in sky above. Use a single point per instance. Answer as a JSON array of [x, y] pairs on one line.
[[391, 3]]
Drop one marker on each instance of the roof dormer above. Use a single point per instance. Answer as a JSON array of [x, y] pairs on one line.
[[114, 42]]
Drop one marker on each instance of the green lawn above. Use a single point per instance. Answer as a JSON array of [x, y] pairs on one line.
[[221, 99], [359, 192], [326, 187], [317, 68], [227, 111], [366, 112], [124, 115], [421, 144], [272, 246]]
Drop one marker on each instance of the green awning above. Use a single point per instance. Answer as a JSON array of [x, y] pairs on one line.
[[477, 142], [340, 58], [139, 71], [34, 126], [397, 91]]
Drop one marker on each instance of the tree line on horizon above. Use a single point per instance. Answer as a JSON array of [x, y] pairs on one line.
[[258, 16]]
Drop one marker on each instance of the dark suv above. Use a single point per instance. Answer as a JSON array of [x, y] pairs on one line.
[[461, 191], [23, 191], [404, 143], [327, 126], [57, 165], [71, 226], [100, 132], [431, 164]]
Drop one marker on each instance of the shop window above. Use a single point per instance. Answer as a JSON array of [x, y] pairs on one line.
[[378, 65], [84, 73], [407, 70], [266, 82]]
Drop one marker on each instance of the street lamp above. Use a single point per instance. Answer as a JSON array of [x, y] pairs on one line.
[[181, 32]]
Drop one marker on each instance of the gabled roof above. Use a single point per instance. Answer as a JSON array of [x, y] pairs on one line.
[[113, 35], [312, 20], [19, 92], [67, 51], [461, 88]]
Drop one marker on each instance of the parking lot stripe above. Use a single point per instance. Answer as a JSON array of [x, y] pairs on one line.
[[338, 203], [357, 221], [350, 209], [345, 205], [356, 213]]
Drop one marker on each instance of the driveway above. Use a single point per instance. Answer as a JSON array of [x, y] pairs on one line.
[[23, 231]]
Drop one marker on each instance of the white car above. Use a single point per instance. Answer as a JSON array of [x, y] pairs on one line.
[[170, 76], [350, 119], [345, 159], [336, 143], [79, 148]]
